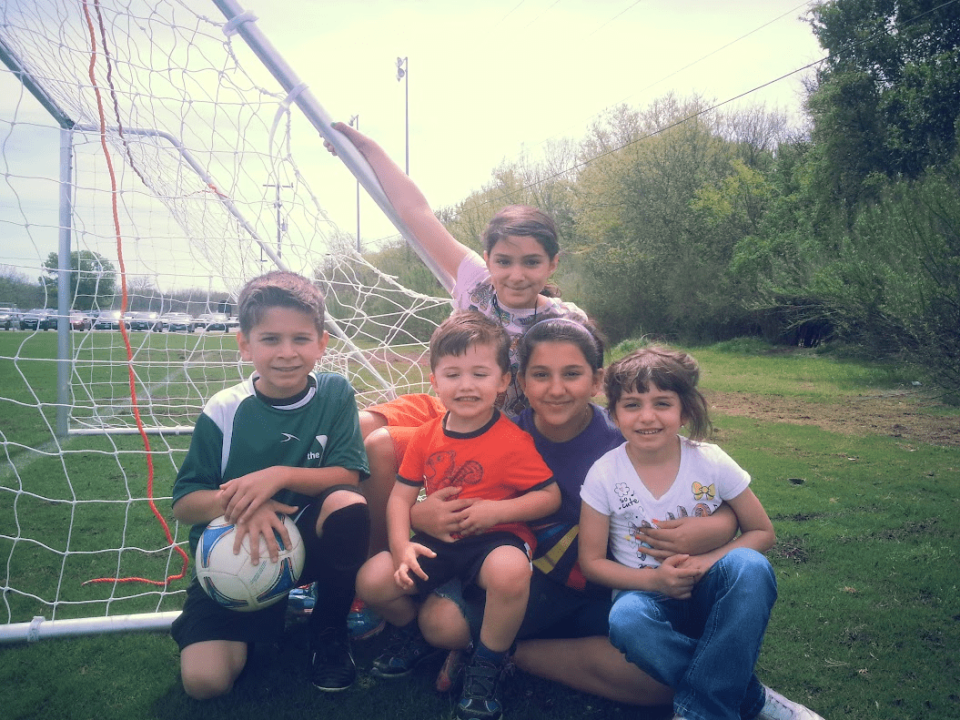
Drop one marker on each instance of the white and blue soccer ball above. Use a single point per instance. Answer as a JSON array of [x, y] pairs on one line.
[[233, 580]]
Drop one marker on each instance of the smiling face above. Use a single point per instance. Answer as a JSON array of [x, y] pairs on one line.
[[519, 268], [559, 382], [284, 347], [468, 386], [649, 422]]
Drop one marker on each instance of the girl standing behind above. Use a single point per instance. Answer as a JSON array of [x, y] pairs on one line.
[[695, 623], [507, 284]]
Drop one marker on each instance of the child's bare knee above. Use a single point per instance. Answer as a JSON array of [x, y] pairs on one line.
[[443, 625], [374, 577], [207, 683], [380, 449], [340, 499], [370, 421], [506, 571], [209, 669]]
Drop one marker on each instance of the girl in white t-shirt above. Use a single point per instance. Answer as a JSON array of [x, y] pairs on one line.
[[695, 624], [508, 283]]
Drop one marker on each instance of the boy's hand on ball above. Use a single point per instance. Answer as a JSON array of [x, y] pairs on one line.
[[264, 522], [243, 496]]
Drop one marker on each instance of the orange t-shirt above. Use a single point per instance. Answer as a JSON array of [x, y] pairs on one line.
[[497, 462]]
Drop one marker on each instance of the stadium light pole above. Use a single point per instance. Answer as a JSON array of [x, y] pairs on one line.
[[403, 73], [356, 119], [281, 226]]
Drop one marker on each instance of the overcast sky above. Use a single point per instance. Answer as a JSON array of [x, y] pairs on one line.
[[492, 79]]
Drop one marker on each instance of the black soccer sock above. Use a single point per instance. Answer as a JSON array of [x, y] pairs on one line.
[[341, 551]]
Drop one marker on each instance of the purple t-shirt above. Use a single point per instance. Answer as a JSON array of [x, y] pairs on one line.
[[557, 546]]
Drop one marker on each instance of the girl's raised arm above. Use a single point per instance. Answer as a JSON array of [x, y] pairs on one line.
[[409, 203]]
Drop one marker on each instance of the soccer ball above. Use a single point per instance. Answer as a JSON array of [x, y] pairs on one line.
[[233, 580]]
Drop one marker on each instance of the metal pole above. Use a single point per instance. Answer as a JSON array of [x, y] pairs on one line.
[[245, 26], [356, 119], [278, 205], [403, 73], [41, 628], [64, 267]]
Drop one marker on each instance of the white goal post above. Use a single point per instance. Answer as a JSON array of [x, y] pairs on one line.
[[149, 153]]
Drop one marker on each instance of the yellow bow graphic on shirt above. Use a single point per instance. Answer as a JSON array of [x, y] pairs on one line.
[[701, 492]]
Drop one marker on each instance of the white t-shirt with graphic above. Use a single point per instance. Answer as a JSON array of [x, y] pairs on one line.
[[707, 476]]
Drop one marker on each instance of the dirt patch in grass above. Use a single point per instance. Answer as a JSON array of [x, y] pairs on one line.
[[902, 415]]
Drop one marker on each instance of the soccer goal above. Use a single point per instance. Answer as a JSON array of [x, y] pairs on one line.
[[149, 169]]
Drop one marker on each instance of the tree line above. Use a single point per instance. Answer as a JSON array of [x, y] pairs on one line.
[[696, 225]]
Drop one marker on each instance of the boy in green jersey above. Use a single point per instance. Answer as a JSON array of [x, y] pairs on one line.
[[286, 440]]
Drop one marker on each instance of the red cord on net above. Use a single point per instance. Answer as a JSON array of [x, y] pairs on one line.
[[124, 297]]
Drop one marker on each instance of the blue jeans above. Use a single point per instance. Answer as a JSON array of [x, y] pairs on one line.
[[705, 648]]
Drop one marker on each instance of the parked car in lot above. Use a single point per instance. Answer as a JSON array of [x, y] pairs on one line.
[[110, 320], [80, 321], [37, 319], [213, 321], [233, 324], [9, 317], [178, 322], [145, 321]]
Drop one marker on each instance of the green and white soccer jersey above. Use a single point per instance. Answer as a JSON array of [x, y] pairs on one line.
[[237, 434]]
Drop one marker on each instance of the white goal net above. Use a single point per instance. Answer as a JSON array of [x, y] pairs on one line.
[[149, 169]]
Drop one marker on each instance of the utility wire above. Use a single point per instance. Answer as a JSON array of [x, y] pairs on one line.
[[603, 25], [714, 52], [539, 16], [498, 22], [699, 60], [658, 131]]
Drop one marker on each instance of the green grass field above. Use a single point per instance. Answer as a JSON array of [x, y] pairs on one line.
[[866, 625]]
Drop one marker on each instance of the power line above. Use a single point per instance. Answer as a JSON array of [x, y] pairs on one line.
[[658, 131], [539, 16], [701, 59], [714, 52], [603, 25], [498, 22], [677, 123]]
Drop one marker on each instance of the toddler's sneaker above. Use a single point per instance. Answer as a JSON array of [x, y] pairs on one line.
[[405, 649], [777, 707], [362, 622], [481, 697], [332, 666], [301, 600]]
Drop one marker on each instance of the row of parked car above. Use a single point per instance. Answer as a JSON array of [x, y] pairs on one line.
[[42, 319]]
